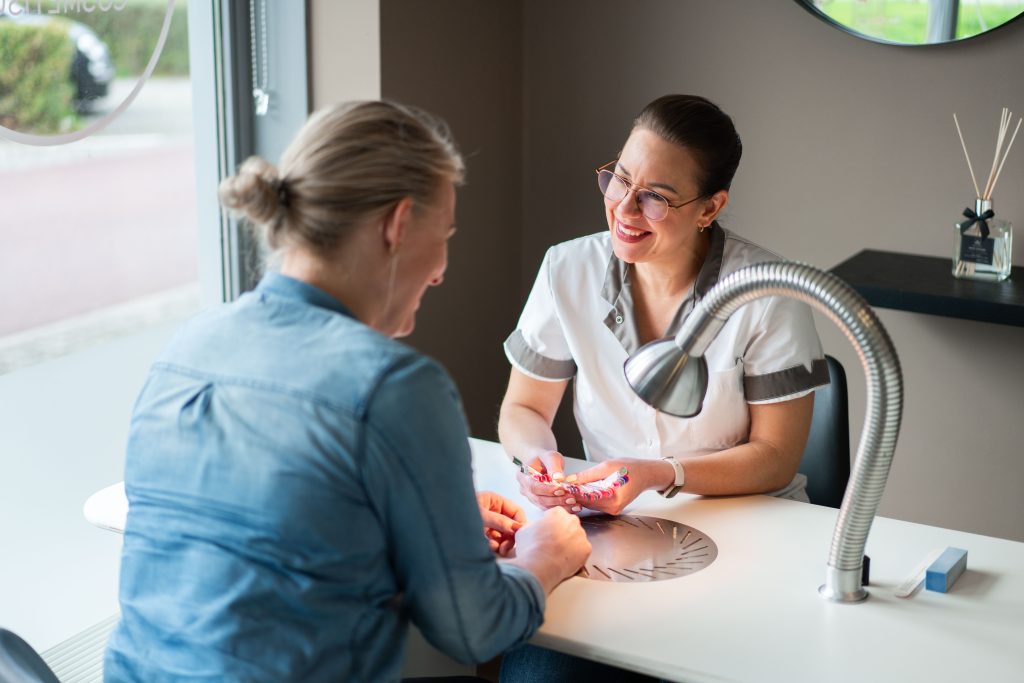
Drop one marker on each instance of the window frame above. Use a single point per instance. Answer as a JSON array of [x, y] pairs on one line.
[[230, 262]]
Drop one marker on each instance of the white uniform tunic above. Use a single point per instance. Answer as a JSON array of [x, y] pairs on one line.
[[579, 323]]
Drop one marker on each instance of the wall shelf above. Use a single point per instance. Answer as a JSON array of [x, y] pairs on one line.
[[923, 284]]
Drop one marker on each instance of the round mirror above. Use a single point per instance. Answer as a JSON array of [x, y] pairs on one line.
[[915, 22]]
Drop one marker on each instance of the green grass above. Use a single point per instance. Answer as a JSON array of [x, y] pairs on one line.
[[907, 21]]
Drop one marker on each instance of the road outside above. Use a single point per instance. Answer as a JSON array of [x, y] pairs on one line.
[[104, 224]]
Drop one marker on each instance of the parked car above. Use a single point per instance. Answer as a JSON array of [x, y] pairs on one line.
[[91, 71]]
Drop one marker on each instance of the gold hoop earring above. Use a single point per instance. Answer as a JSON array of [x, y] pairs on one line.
[[701, 228]]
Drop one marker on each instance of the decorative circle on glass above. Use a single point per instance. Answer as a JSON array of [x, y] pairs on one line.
[[915, 22], [58, 16], [637, 549]]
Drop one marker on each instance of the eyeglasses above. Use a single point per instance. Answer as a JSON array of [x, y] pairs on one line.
[[652, 205]]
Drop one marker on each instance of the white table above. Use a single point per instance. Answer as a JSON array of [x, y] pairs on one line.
[[755, 613], [107, 508]]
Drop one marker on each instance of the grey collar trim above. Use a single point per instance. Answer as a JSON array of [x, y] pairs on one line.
[[617, 291]]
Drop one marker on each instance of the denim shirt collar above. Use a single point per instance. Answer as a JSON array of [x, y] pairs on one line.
[[286, 287], [617, 291]]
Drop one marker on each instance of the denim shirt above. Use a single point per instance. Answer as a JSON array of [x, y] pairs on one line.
[[300, 488]]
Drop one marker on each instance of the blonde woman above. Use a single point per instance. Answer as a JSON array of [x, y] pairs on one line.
[[299, 482]]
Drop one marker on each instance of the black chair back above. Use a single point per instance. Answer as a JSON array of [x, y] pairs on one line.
[[19, 663], [826, 461]]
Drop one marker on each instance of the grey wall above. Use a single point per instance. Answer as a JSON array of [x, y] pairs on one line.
[[462, 60], [848, 145]]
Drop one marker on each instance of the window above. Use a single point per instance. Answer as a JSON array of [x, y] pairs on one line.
[[118, 229], [64, 423], [99, 234]]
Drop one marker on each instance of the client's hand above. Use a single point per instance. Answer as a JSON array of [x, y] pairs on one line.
[[502, 519], [640, 475], [548, 494], [553, 548]]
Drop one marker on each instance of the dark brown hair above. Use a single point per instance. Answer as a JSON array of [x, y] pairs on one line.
[[697, 124]]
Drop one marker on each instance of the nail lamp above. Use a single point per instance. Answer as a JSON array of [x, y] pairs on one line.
[[671, 375]]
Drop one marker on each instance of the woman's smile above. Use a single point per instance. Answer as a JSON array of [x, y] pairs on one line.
[[628, 233]]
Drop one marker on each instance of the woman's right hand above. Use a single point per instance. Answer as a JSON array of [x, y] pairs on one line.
[[553, 548], [548, 494]]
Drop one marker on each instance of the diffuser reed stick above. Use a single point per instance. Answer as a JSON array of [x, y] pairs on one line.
[[1000, 169], [977, 192], [995, 156], [998, 158]]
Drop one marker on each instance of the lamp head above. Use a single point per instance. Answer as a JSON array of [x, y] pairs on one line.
[[668, 378]]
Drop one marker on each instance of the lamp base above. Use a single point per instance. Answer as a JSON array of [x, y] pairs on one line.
[[859, 595], [843, 585]]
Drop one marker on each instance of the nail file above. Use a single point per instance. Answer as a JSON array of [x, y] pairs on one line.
[[911, 583]]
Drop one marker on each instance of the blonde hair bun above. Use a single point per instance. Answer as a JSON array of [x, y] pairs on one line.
[[253, 192], [348, 165]]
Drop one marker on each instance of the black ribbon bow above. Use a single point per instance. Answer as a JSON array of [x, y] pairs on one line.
[[981, 220]]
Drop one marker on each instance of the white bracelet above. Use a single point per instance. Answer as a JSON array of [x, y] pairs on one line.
[[680, 477]]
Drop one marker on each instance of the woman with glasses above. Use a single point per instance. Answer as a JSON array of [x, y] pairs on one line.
[[597, 299], [299, 482]]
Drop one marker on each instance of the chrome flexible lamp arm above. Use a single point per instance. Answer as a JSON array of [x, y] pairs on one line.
[[671, 375]]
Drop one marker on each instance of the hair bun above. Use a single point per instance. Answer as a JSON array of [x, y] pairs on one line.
[[253, 192]]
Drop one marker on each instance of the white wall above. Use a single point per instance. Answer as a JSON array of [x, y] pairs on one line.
[[344, 50]]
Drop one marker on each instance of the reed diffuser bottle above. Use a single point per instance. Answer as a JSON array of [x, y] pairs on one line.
[[983, 243]]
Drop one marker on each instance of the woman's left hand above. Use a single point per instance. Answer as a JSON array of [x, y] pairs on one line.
[[640, 474], [502, 519]]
